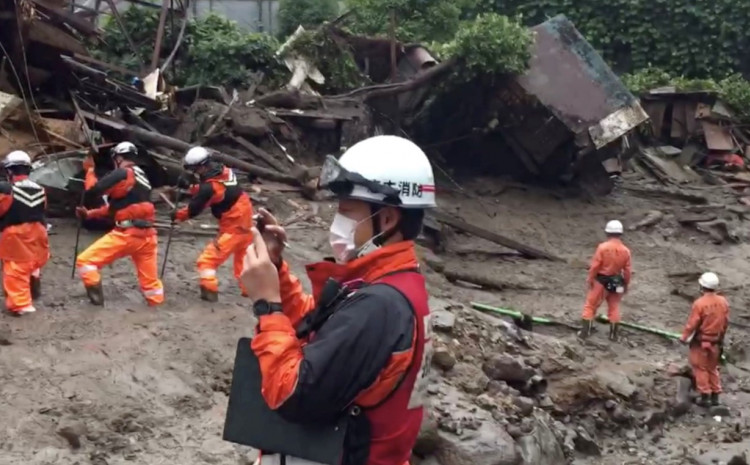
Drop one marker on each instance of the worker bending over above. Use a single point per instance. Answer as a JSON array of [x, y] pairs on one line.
[[128, 191], [359, 346], [608, 278], [230, 205], [704, 332], [24, 247]]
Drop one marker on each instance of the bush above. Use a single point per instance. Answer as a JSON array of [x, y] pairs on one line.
[[308, 13], [416, 20], [215, 50]]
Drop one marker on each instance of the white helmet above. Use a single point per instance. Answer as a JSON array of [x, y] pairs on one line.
[[613, 227], [709, 281], [17, 158], [196, 156], [125, 149], [382, 169]]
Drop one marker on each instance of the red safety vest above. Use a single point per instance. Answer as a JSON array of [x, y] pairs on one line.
[[396, 422]]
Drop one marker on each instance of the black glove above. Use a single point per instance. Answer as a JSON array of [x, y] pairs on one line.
[[184, 182], [173, 215]]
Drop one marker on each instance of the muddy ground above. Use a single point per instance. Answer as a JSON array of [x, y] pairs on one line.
[[130, 384]]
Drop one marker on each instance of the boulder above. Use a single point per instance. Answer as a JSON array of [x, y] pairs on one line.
[[488, 445], [541, 447], [428, 439], [504, 367]]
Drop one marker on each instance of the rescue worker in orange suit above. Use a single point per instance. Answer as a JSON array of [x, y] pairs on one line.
[[360, 344], [608, 279], [128, 190], [704, 332], [92, 175], [219, 190], [24, 247]]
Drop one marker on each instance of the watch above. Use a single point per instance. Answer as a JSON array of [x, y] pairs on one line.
[[263, 307]]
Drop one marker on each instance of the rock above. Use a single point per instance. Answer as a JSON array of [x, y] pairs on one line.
[[654, 419], [73, 434], [617, 382], [719, 411], [585, 444], [443, 321], [489, 445], [682, 400], [610, 405], [524, 404], [428, 439], [5, 337], [738, 460], [540, 446], [486, 402], [443, 358], [497, 387], [546, 403], [736, 453], [507, 368], [534, 361], [470, 378]]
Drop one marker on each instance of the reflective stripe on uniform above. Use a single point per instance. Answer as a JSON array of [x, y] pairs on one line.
[[140, 177], [231, 180], [152, 292], [87, 268], [209, 273], [31, 200], [275, 459]]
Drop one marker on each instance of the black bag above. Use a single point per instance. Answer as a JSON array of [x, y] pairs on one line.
[[611, 283], [251, 422]]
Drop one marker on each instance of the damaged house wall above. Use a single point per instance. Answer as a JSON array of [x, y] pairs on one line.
[[566, 108]]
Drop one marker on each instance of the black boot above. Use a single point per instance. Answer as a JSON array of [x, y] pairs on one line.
[[704, 401], [614, 332], [208, 295], [585, 331], [715, 399], [96, 294], [36, 287]]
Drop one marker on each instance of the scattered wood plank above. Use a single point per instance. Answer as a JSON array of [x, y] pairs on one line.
[[221, 117], [664, 193], [260, 153], [461, 225], [486, 282], [652, 218]]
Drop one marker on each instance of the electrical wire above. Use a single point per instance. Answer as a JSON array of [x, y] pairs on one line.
[[26, 73]]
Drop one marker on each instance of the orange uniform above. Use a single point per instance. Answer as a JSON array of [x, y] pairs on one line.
[[708, 322], [611, 259], [220, 191], [129, 192], [24, 247], [373, 351]]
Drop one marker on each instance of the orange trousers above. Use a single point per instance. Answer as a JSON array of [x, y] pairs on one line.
[[705, 363], [16, 283], [596, 295], [118, 244], [217, 252]]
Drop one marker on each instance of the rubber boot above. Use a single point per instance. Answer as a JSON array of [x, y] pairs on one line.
[[614, 329], [585, 331], [209, 295], [36, 287], [704, 401], [715, 399], [96, 294]]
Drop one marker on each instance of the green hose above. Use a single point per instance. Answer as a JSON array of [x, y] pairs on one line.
[[516, 314]]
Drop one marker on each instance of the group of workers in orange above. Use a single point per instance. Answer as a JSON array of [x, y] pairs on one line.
[[608, 279], [359, 346]]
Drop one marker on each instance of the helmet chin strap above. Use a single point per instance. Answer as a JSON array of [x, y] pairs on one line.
[[379, 237]]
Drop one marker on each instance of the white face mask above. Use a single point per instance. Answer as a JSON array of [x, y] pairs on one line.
[[341, 238]]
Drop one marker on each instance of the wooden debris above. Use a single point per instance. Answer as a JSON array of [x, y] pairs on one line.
[[486, 282], [461, 225], [692, 218], [652, 218], [260, 153], [665, 193], [718, 230]]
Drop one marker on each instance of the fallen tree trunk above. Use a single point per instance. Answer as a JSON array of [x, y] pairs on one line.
[[461, 225]]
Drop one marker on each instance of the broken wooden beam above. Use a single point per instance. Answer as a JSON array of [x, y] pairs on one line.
[[664, 193], [461, 225], [485, 282], [260, 153]]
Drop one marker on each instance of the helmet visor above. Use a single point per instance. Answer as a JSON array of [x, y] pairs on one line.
[[341, 182]]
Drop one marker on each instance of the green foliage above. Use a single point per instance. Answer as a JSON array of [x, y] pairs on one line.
[[490, 44], [334, 61], [697, 39], [416, 20], [308, 13], [734, 90], [215, 50]]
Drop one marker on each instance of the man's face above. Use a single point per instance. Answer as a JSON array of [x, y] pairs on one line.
[[361, 212]]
